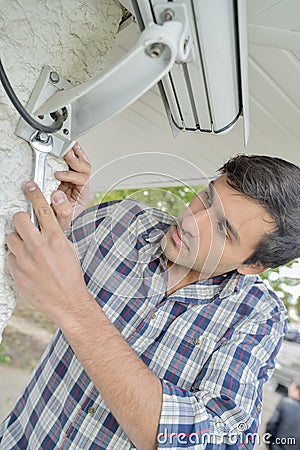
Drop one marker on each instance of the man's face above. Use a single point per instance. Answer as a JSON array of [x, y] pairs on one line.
[[217, 232]]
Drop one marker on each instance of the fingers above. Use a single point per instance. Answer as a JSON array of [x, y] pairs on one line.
[[62, 209], [77, 160], [80, 169], [74, 184], [12, 266], [78, 151], [27, 236], [76, 178], [18, 258], [15, 244], [24, 227], [44, 212]]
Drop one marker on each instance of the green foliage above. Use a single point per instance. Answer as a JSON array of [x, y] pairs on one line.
[[281, 283], [4, 358], [172, 200]]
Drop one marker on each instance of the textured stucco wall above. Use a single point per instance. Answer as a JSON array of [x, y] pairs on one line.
[[72, 36]]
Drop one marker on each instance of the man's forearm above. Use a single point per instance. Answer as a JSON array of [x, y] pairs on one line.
[[131, 391], [45, 267]]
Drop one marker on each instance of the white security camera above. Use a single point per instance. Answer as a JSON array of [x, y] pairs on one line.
[[196, 51]]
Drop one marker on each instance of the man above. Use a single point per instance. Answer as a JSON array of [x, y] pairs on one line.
[[166, 332], [283, 427]]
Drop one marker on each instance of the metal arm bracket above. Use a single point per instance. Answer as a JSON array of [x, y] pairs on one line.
[[88, 104]]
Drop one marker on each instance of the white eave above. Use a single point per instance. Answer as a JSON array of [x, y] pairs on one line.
[[137, 149]]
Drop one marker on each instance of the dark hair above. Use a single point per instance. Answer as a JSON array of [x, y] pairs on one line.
[[274, 184]]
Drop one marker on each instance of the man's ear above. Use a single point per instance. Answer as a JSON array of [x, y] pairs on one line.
[[251, 269]]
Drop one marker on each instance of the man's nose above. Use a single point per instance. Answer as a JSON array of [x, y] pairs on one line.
[[196, 222]]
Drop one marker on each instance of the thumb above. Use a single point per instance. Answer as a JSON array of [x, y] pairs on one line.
[[62, 209]]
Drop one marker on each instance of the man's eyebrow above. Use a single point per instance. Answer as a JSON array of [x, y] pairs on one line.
[[211, 191], [228, 225]]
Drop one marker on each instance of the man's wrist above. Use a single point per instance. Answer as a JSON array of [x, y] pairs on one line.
[[81, 314]]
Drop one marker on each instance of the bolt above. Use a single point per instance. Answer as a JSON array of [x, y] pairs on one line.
[[43, 137], [155, 50], [65, 131], [54, 77], [167, 15], [185, 44]]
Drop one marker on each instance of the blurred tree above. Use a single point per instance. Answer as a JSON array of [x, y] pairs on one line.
[[172, 200], [283, 286]]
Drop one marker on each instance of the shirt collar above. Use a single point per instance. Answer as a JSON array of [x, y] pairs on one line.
[[205, 291]]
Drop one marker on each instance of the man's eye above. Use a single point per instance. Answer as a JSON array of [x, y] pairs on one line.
[[222, 229]]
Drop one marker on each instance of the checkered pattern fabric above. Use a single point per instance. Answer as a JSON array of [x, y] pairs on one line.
[[212, 344]]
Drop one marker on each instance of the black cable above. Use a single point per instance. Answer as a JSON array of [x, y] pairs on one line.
[[59, 119]]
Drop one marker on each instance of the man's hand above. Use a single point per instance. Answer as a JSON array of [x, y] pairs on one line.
[[43, 263], [73, 194], [45, 267]]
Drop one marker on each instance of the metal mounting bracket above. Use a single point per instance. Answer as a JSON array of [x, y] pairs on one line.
[[96, 100], [48, 83]]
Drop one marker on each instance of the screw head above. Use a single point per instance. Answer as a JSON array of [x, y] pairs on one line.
[[54, 77], [155, 50], [168, 14], [43, 137], [65, 131]]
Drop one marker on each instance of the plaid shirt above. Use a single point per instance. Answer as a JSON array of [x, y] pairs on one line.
[[212, 344]]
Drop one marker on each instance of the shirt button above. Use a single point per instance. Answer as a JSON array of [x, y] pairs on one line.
[[91, 410], [153, 316], [258, 408], [196, 341]]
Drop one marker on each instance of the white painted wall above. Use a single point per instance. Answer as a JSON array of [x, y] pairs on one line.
[[72, 36]]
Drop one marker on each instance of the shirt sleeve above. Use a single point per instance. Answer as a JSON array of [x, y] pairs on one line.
[[83, 228], [222, 409]]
